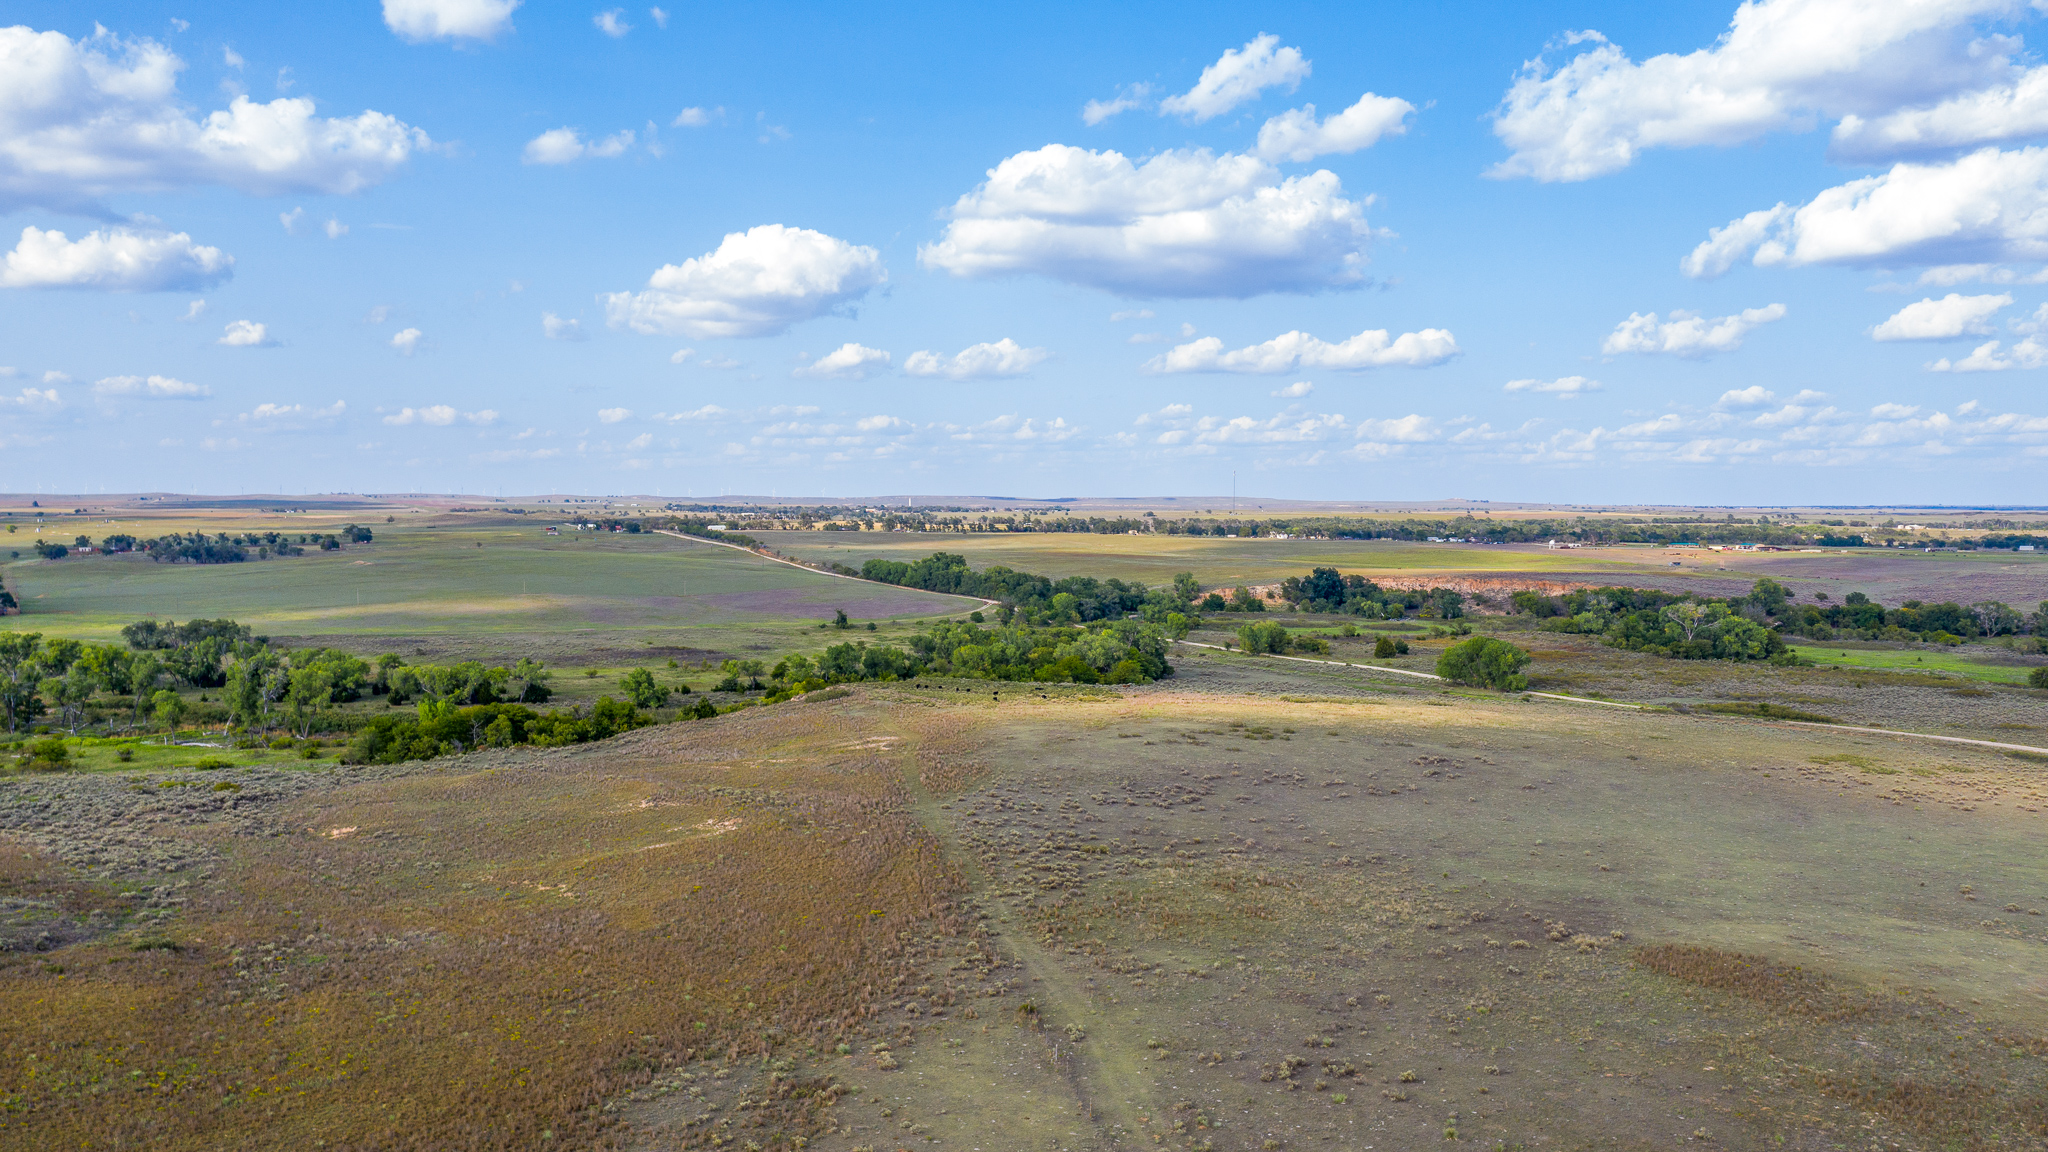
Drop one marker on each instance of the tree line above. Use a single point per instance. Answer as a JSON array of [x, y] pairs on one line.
[[1039, 601], [1648, 618], [214, 548]]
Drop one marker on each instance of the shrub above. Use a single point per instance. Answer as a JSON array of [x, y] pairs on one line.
[[1486, 662], [640, 686], [1268, 636], [49, 755], [1383, 648], [2038, 678]]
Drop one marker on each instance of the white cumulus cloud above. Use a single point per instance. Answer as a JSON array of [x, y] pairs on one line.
[[757, 283], [1687, 334], [113, 260], [441, 416], [83, 119], [566, 146], [1780, 65], [1298, 136], [557, 328], [1995, 357], [1005, 357], [245, 334], [614, 415], [1182, 223], [406, 341], [1988, 205], [2013, 110], [288, 416], [1296, 390], [1373, 348], [421, 20], [1240, 74], [1945, 319], [1564, 387], [849, 361], [612, 22], [34, 399], [150, 388]]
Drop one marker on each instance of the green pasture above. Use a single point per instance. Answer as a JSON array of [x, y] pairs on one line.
[[1215, 561], [1954, 662], [198, 752], [482, 592]]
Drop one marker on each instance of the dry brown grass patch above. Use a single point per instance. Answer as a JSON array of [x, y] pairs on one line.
[[491, 956]]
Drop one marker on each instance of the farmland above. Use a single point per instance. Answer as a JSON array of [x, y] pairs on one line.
[[1257, 904], [472, 591]]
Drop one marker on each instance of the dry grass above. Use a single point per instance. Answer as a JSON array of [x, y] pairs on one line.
[[1781, 987], [488, 957], [1912, 1061]]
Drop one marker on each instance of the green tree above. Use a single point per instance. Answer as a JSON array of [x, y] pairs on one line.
[[21, 673], [1267, 636], [1769, 595], [244, 694], [640, 687], [2038, 678], [528, 683], [69, 693], [170, 708], [312, 688], [1486, 662], [1186, 587], [108, 665], [1383, 648]]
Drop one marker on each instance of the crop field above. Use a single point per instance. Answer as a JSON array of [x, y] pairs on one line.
[[1888, 575], [1215, 561], [1236, 910], [461, 592]]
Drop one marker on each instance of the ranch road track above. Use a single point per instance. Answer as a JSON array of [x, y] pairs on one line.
[[985, 602], [1993, 744]]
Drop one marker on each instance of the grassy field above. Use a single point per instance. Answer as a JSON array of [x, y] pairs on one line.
[[494, 592], [1199, 915], [1258, 905], [1954, 662]]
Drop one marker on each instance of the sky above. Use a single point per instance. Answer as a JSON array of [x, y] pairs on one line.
[[1792, 252]]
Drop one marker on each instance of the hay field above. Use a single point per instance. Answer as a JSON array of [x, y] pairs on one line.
[[1216, 561], [462, 590], [1890, 576]]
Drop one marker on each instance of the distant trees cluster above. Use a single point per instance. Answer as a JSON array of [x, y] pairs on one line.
[[1327, 590], [1696, 627], [215, 548], [68, 675], [1040, 600], [1104, 652], [392, 739]]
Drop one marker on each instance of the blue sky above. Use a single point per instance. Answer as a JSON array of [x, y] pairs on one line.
[[1577, 252]]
